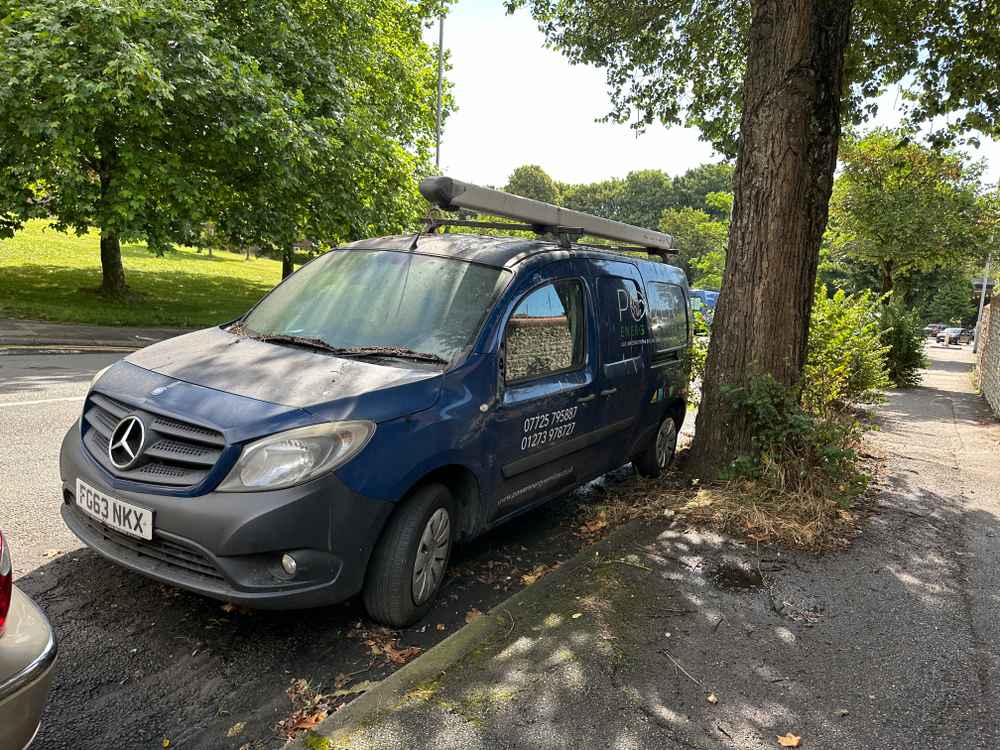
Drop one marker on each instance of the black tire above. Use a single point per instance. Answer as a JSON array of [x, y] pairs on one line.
[[389, 595], [650, 462]]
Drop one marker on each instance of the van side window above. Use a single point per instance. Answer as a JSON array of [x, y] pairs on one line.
[[668, 314], [545, 335]]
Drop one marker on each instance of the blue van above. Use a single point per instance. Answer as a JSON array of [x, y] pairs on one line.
[[391, 398]]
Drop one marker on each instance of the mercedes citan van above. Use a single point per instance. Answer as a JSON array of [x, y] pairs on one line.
[[391, 398]]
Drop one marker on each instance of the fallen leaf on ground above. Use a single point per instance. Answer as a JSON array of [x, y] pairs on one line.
[[577, 615], [529, 578], [595, 525], [166, 742], [51, 552], [440, 626], [789, 740], [236, 729], [400, 655], [308, 721], [472, 614], [712, 698]]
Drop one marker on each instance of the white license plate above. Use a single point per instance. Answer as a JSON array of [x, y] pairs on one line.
[[124, 517]]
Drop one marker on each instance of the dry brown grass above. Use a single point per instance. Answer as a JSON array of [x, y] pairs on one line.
[[800, 515]]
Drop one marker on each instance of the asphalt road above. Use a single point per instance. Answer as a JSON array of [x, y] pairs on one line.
[[141, 662], [40, 397]]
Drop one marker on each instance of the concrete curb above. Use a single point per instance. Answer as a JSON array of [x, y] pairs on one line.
[[492, 626], [72, 345]]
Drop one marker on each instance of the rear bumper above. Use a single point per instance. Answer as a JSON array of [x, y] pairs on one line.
[[29, 644], [228, 546]]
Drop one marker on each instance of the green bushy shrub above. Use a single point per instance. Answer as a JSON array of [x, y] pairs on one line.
[[904, 337], [796, 453], [699, 355], [846, 360]]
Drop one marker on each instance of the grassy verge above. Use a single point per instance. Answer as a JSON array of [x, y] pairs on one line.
[[48, 275]]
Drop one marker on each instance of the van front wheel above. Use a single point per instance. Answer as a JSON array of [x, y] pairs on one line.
[[407, 567], [659, 454]]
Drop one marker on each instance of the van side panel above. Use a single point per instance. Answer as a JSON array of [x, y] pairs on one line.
[[451, 432]]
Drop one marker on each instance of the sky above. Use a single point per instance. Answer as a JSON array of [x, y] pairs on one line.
[[520, 103]]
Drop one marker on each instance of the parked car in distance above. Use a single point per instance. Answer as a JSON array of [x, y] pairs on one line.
[[27, 657], [934, 329], [390, 398], [953, 336], [703, 301]]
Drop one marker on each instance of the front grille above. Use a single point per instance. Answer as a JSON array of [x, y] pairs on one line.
[[174, 554], [175, 453]]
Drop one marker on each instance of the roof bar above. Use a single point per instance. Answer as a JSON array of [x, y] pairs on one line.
[[451, 195]]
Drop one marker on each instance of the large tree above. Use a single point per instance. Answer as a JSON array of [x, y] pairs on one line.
[[904, 207], [700, 241], [365, 83], [692, 188], [151, 118], [531, 181], [646, 193], [770, 81]]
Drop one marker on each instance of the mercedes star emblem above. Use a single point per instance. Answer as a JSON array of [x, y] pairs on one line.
[[126, 442]]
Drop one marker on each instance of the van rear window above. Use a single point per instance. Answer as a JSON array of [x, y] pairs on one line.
[[668, 314]]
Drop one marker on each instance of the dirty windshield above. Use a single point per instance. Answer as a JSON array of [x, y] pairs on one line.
[[381, 300]]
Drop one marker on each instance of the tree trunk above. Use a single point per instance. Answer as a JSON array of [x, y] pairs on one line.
[[287, 264], [789, 134], [886, 278], [113, 273]]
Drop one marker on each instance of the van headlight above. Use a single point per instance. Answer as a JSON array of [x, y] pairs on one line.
[[296, 456]]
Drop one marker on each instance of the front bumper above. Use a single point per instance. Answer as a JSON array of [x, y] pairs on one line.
[[27, 656], [228, 546]]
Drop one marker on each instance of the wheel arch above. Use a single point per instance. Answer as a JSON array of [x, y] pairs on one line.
[[463, 485]]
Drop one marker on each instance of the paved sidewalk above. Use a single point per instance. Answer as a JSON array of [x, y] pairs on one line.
[[641, 642], [40, 333]]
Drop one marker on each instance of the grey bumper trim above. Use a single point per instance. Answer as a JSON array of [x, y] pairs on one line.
[[35, 669]]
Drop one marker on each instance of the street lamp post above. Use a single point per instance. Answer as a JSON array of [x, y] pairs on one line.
[[437, 150]]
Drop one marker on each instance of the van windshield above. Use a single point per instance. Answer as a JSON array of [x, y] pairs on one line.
[[381, 299]]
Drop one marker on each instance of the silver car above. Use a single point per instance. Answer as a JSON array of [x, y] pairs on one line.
[[27, 656]]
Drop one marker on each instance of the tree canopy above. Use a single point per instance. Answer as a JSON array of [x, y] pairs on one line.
[[684, 63], [531, 181], [274, 121], [903, 207]]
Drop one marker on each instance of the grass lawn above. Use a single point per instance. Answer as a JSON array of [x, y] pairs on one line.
[[48, 275]]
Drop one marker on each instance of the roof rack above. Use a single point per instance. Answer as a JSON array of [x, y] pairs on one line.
[[542, 218]]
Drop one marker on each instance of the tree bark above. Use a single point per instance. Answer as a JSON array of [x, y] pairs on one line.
[[789, 135], [113, 273], [886, 277], [287, 264]]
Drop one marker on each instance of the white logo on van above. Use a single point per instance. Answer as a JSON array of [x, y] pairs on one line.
[[636, 306]]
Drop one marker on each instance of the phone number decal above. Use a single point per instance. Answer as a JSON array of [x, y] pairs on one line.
[[548, 427]]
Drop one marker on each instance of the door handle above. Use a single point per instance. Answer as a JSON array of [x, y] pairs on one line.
[[609, 392], [585, 399]]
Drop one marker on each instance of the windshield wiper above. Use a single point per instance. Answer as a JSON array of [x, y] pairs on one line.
[[351, 351], [393, 351], [282, 338]]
